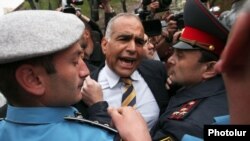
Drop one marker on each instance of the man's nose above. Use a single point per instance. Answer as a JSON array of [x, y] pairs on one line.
[[131, 46], [84, 71], [171, 60]]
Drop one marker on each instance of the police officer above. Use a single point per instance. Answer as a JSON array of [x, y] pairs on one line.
[[237, 82], [42, 73], [192, 65]]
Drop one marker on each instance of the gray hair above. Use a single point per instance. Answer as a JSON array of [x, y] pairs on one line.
[[109, 31]]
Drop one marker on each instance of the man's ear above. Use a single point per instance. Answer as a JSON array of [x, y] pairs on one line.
[[104, 45], [209, 70], [28, 78], [86, 34]]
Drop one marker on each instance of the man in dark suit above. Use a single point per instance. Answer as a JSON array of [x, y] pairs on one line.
[[123, 48]]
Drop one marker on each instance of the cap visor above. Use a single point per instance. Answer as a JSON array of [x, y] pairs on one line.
[[183, 45]]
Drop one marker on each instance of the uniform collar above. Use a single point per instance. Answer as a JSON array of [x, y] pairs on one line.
[[222, 120], [213, 86], [113, 79], [38, 115]]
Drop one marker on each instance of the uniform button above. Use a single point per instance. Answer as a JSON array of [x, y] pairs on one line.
[[106, 125], [211, 47]]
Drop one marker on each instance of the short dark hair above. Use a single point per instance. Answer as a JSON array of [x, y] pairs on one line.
[[207, 56], [8, 82]]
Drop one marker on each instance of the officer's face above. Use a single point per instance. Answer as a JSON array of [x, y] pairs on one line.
[[64, 86], [124, 49], [184, 68]]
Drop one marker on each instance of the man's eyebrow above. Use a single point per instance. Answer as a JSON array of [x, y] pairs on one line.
[[119, 34], [140, 38], [129, 35], [78, 52]]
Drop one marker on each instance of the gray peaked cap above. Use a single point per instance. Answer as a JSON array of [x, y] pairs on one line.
[[33, 33]]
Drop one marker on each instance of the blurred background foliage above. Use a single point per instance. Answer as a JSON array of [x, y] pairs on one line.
[[85, 7], [176, 5], [116, 4]]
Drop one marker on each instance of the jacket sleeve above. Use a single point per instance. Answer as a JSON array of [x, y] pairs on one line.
[[96, 112]]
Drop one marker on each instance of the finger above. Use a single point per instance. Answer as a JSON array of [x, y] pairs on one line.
[[126, 110], [169, 81], [89, 82], [218, 66], [169, 17], [114, 114], [167, 86], [87, 79]]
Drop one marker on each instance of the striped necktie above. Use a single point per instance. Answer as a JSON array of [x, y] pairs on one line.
[[129, 96]]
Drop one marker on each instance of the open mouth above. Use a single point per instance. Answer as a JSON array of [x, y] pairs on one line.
[[127, 62], [170, 72], [151, 53]]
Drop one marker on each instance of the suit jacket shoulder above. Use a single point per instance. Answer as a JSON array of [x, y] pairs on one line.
[[154, 73]]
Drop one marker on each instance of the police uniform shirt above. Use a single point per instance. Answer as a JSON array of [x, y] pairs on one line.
[[113, 89], [48, 124], [221, 120], [192, 108]]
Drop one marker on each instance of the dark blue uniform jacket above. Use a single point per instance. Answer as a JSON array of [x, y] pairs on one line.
[[190, 109]]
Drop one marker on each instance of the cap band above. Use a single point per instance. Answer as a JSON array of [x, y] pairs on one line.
[[202, 39]]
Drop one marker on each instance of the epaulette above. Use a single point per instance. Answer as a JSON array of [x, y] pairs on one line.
[[95, 123], [184, 110], [168, 138]]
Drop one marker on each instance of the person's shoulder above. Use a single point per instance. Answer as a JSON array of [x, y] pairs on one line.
[[184, 110], [94, 73], [94, 124], [151, 63], [152, 66], [77, 124]]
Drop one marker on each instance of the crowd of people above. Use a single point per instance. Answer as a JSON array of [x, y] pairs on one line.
[[73, 82]]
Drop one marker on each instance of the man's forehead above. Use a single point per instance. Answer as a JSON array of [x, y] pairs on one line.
[[120, 34]]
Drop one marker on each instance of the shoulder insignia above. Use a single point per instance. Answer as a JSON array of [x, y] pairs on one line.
[[184, 110], [95, 123], [167, 139], [1, 119]]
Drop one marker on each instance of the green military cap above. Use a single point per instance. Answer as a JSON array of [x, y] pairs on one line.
[[33, 33]]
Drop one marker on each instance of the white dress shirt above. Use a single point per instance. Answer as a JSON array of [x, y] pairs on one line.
[[2, 100], [113, 89]]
